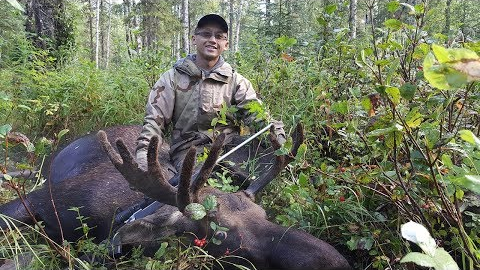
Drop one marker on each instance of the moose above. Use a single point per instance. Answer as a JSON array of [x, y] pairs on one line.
[[100, 182]]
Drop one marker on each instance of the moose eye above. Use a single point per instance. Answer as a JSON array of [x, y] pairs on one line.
[[221, 235]]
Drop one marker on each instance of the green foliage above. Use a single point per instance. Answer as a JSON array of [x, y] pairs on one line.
[[16, 5], [433, 256], [391, 118], [449, 69], [79, 98], [222, 181]]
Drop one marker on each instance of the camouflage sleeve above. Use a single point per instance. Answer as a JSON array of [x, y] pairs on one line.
[[159, 110], [244, 95]]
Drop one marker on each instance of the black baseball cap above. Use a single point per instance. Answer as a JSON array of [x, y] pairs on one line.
[[213, 19]]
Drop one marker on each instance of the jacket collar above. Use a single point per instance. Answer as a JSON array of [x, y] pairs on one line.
[[221, 72]]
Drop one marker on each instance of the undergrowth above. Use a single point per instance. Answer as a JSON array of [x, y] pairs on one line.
[[385, 145]]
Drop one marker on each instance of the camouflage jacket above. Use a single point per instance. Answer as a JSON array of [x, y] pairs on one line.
[[189, 98]]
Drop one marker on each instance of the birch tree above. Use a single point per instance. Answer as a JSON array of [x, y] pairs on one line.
[[97, 27], [109, 31], [186, 28], [231, 21], [352, 19], [237, 24]]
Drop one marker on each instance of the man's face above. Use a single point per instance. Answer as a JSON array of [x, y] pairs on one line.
[[211, 41]]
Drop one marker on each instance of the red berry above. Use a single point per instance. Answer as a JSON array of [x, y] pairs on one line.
[[342, 199]]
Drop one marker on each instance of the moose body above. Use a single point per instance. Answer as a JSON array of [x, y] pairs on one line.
[[90, 181], [80, 175]]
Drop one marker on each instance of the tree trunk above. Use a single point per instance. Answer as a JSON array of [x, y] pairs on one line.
[[237, 24], [446, 29], [109, 30], [178, 37], [268, 17], [47, 22], [352, 19], [90, 26], [186, 28], [464, 18], [102, 34], [97, 27], [231, 19]]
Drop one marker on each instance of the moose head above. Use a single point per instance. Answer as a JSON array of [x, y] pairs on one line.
[[246, 232]]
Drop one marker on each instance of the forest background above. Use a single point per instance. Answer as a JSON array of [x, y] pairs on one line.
[[392, 127]]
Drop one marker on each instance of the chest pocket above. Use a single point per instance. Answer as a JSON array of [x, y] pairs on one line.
[[222, 93], [186, 94]]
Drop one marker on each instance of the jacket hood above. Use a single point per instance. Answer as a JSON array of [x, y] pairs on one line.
[[222, 71]]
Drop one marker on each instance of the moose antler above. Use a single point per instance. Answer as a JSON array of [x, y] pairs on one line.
[[151, 182], [188, 190], [281, 161], [154, 184]]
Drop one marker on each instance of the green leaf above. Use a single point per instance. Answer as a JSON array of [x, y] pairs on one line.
[[302, 150], [365, 243], [419, 9], [216, 241], [393, 94], [340, 107], [393, 24], [330, 9], [456, 78], [303, 180], [366, 104], [195, 211], [393, 6], [469, 137], [380, 131], [4, 130], [451, 68], [470, 182], [285, 42], [381, 89], [161, 251], [394, 138], [16, 5], [434, 75], [407, 91], [62, 133], [322, 21], [214, 122], [440, 53], [213, 225], [210, 202], [7, 177], [447, 161], [419, 258], [443, 260], [24, 107], [414, 118]]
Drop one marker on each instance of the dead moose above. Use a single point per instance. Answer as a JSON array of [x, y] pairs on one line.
[[102, 189]]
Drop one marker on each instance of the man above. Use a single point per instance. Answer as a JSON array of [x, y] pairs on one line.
[[191, 94]]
